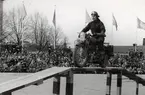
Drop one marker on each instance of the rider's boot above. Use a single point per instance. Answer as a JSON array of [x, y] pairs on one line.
[[92, 58]]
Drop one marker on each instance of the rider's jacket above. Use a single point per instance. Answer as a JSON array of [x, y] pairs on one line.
[[95, 26]]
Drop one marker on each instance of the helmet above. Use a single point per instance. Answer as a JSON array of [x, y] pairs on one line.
[[95, 13]]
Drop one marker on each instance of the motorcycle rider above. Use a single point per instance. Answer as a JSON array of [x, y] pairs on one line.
[[98, 31]]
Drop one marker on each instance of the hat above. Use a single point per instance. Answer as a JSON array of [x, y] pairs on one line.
[[95, 13]]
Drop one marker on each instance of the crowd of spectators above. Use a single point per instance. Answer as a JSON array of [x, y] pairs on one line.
[[133, 62], [37, 61], [34, 61]]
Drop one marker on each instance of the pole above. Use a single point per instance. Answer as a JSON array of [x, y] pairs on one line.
[[108, 83], [137, 88], [54, 22], [119, 83], [22, 38], [56, 85], [69, 84], [1, 22], [55, 37], [23, 18], [136, 38], [1, 17], [112, 30]]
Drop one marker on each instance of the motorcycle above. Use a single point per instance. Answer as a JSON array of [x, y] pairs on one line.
[[87, 54]]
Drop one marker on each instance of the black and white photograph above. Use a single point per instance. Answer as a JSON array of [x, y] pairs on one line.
[[72, 47]]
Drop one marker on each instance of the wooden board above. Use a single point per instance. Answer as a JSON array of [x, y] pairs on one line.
[[20, 82], [114, 70]]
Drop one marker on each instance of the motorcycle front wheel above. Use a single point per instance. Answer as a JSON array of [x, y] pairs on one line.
[[80, 56]]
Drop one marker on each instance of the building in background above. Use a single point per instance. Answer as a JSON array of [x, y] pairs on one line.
[[143, 41], [126, 49]]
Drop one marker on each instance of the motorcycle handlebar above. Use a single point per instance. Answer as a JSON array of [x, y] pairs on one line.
[[103, 35]]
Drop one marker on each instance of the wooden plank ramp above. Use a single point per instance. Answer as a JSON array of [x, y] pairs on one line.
[[31, 79], [134, 77], [8, 86], [114, 70]]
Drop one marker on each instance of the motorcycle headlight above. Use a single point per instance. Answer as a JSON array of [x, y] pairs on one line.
[[82, 36], [78, 41]]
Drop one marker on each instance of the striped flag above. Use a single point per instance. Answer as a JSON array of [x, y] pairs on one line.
[[140, 24], [54, 18], [88, 18], [114, 22]]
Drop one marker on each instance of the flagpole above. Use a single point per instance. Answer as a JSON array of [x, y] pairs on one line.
[[112, 35], [136, 41], [54, 22], [136, 36], [112, 30], [22, 38], [22, 32], [18, 25], [55, 37], [23, 26]]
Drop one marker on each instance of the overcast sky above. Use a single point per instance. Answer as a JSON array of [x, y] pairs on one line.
[[70, 16]]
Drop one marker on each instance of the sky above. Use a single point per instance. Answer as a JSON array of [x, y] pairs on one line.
[[70, 16]]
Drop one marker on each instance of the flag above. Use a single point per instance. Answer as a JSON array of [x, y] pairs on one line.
[[114, 22], [24, 11], [54, 19], [54, 23], [88, 18], [140, 24]]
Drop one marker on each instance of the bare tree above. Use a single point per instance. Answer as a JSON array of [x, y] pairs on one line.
[[65, 42], [43, 33], [5, 33], [40, 29], [34, 28], [59, 35], [15, 25]]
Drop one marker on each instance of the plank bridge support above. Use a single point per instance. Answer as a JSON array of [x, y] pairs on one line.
[[57, 72], [108, 83]]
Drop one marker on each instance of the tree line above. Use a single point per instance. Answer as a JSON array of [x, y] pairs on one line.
[[33, 28]]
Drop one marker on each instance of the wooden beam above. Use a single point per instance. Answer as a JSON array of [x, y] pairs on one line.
[[114, 70]]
